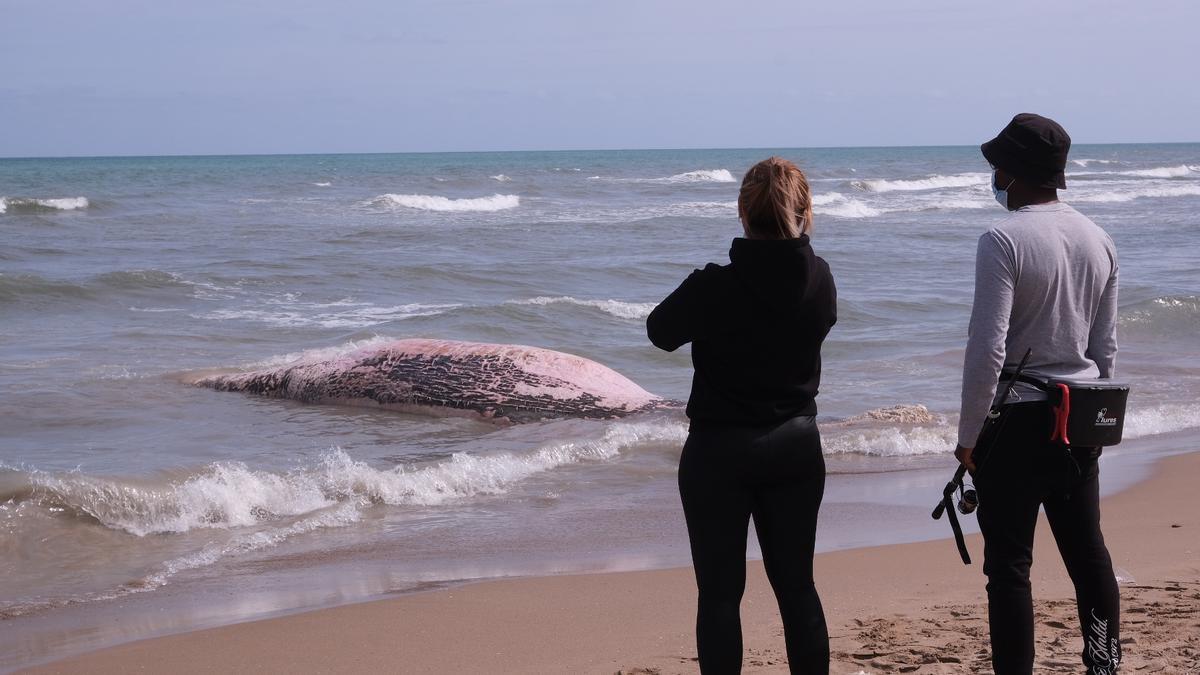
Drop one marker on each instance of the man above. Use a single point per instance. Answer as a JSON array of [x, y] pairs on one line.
[[1046, 280]]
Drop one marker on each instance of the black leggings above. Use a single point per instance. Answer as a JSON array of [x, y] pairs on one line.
[[1023, 471], [777, 475]]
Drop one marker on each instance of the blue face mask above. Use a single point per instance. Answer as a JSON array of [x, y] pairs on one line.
[[1000, 195]]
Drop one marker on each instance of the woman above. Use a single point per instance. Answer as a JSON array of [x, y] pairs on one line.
[[756, 326]]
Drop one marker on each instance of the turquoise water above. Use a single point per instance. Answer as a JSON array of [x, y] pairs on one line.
[[119, 485]]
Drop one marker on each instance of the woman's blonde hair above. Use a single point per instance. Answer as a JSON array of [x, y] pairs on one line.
[[775, 201]]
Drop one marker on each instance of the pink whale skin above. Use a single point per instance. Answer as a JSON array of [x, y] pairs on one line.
[[505, 383]]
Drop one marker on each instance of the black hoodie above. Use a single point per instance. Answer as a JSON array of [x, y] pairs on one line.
[[756, 326]]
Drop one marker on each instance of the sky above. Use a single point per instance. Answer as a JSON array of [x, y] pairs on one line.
[[152, 77]]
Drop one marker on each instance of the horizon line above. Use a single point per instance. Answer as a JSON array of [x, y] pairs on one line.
[[563, 150]]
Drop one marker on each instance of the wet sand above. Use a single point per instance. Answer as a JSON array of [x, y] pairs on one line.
[[902, 608]]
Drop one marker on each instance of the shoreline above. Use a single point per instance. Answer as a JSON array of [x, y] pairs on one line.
[[889, 608]]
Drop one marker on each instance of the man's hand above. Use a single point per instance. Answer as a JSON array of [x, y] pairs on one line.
[[964, 457]]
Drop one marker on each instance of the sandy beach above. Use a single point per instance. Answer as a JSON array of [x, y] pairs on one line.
[[904, 608]]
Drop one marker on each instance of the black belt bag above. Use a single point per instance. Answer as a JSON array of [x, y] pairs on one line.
[[1087, 413]]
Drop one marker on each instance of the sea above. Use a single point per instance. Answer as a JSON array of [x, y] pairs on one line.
[[133, 504]]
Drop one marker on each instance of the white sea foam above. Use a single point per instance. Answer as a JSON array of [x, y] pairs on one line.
[[467, 475], [1164, 171], [264, 508], [358, 315], [1166, 316], [931, 183], [225, 495], [838, 205], [338, 516], [826, 198], [891, 441], [320, 354], [38, 204], [1130, 194], [496, 202], [65, 203], [1180, 171], [1085, 161], [232, 495], [502, 178], [1161, 419], [618, 308], [325, 184], [910, 440]]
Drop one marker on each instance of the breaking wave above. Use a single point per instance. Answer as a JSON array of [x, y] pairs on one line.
[[931, 183], [892, 441], [496, 202], [894, 431], [1085, 161], [228, 495], [261, 509], [1163, 171], [624, 310], [36, 205], [838, 205], [1163, 191], [1161, 419]]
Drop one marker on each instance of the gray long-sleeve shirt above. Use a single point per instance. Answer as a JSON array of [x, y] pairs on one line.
[[1046, 279]]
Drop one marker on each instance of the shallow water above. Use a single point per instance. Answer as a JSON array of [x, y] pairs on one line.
[[121, 486]]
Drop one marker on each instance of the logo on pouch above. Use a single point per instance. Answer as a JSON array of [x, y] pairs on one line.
[[1102, 421]]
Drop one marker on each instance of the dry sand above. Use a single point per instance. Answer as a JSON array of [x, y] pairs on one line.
[[907, 608]]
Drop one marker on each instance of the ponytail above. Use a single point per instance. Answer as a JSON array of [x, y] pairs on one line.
[[775, 201]]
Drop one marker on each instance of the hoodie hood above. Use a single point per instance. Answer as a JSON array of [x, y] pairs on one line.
[[777, 271]]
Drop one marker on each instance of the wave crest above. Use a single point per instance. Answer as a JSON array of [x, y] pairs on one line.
[[838, 205], [496, 202], [1161, 419], [36, 204], [229, 495], [1164, 191], [1163, 171], [618, 308], [931, 183]]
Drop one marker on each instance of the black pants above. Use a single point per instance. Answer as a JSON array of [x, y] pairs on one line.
[[777, 475], [1022, 471]]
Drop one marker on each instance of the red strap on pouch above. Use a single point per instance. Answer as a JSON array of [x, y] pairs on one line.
[[1062, 412]]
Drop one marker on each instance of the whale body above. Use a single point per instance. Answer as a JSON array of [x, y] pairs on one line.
[[505, 383]]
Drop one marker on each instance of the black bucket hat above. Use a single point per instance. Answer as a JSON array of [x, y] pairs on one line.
[[1032, 148]]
